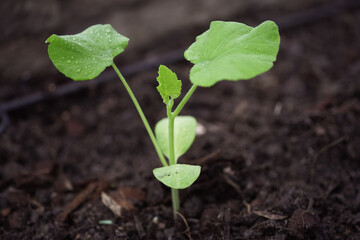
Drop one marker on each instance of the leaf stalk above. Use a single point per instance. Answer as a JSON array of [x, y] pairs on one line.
[[184, 100], [142, 116]]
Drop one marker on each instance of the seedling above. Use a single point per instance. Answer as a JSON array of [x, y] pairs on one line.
[[227, 51]]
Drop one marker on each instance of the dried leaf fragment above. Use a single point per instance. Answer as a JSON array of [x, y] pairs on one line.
[[111, 204], [269, 215], [122, 199]]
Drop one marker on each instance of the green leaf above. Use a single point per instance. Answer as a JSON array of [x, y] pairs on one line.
[[177, 176], [184, 134], [169, 85], [232, 51], [85, 55]]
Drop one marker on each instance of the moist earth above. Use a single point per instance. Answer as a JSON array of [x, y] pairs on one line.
[[279, 154]]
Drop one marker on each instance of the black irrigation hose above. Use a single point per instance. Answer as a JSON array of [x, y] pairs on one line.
[[285, 23], [315, 14], [5, 121], [74, 87]]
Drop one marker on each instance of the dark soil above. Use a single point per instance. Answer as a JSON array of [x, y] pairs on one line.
[[280, 154]]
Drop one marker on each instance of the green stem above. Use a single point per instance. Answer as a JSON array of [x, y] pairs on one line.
[[184, 100], [175, 201], [172, 160], [142, 116], [171, 118]]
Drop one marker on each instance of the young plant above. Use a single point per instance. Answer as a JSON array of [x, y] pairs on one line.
[[227, 51]]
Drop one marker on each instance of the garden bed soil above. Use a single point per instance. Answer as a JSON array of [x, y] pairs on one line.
[[279, 154]]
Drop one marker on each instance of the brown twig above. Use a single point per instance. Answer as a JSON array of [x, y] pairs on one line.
[[322, 150], [75, 203], [327, 147], [208, 158], [229, 181]]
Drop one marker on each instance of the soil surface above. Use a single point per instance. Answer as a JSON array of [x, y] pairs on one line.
[[280, 154]]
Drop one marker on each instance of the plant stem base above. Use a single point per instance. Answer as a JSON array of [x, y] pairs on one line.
[[175, 201]]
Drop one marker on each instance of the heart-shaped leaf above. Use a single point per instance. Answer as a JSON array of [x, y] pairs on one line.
[[169, 85], [177, 176], [85, 55], [184, 134], [232, 51]]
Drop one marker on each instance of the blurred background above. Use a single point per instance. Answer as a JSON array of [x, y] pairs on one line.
[[287, 139], [27, 24]]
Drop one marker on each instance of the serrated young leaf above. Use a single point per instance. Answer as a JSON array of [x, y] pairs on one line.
[[232, 51], [85, 55], [184, 134], [177, 176], [169, 85]]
